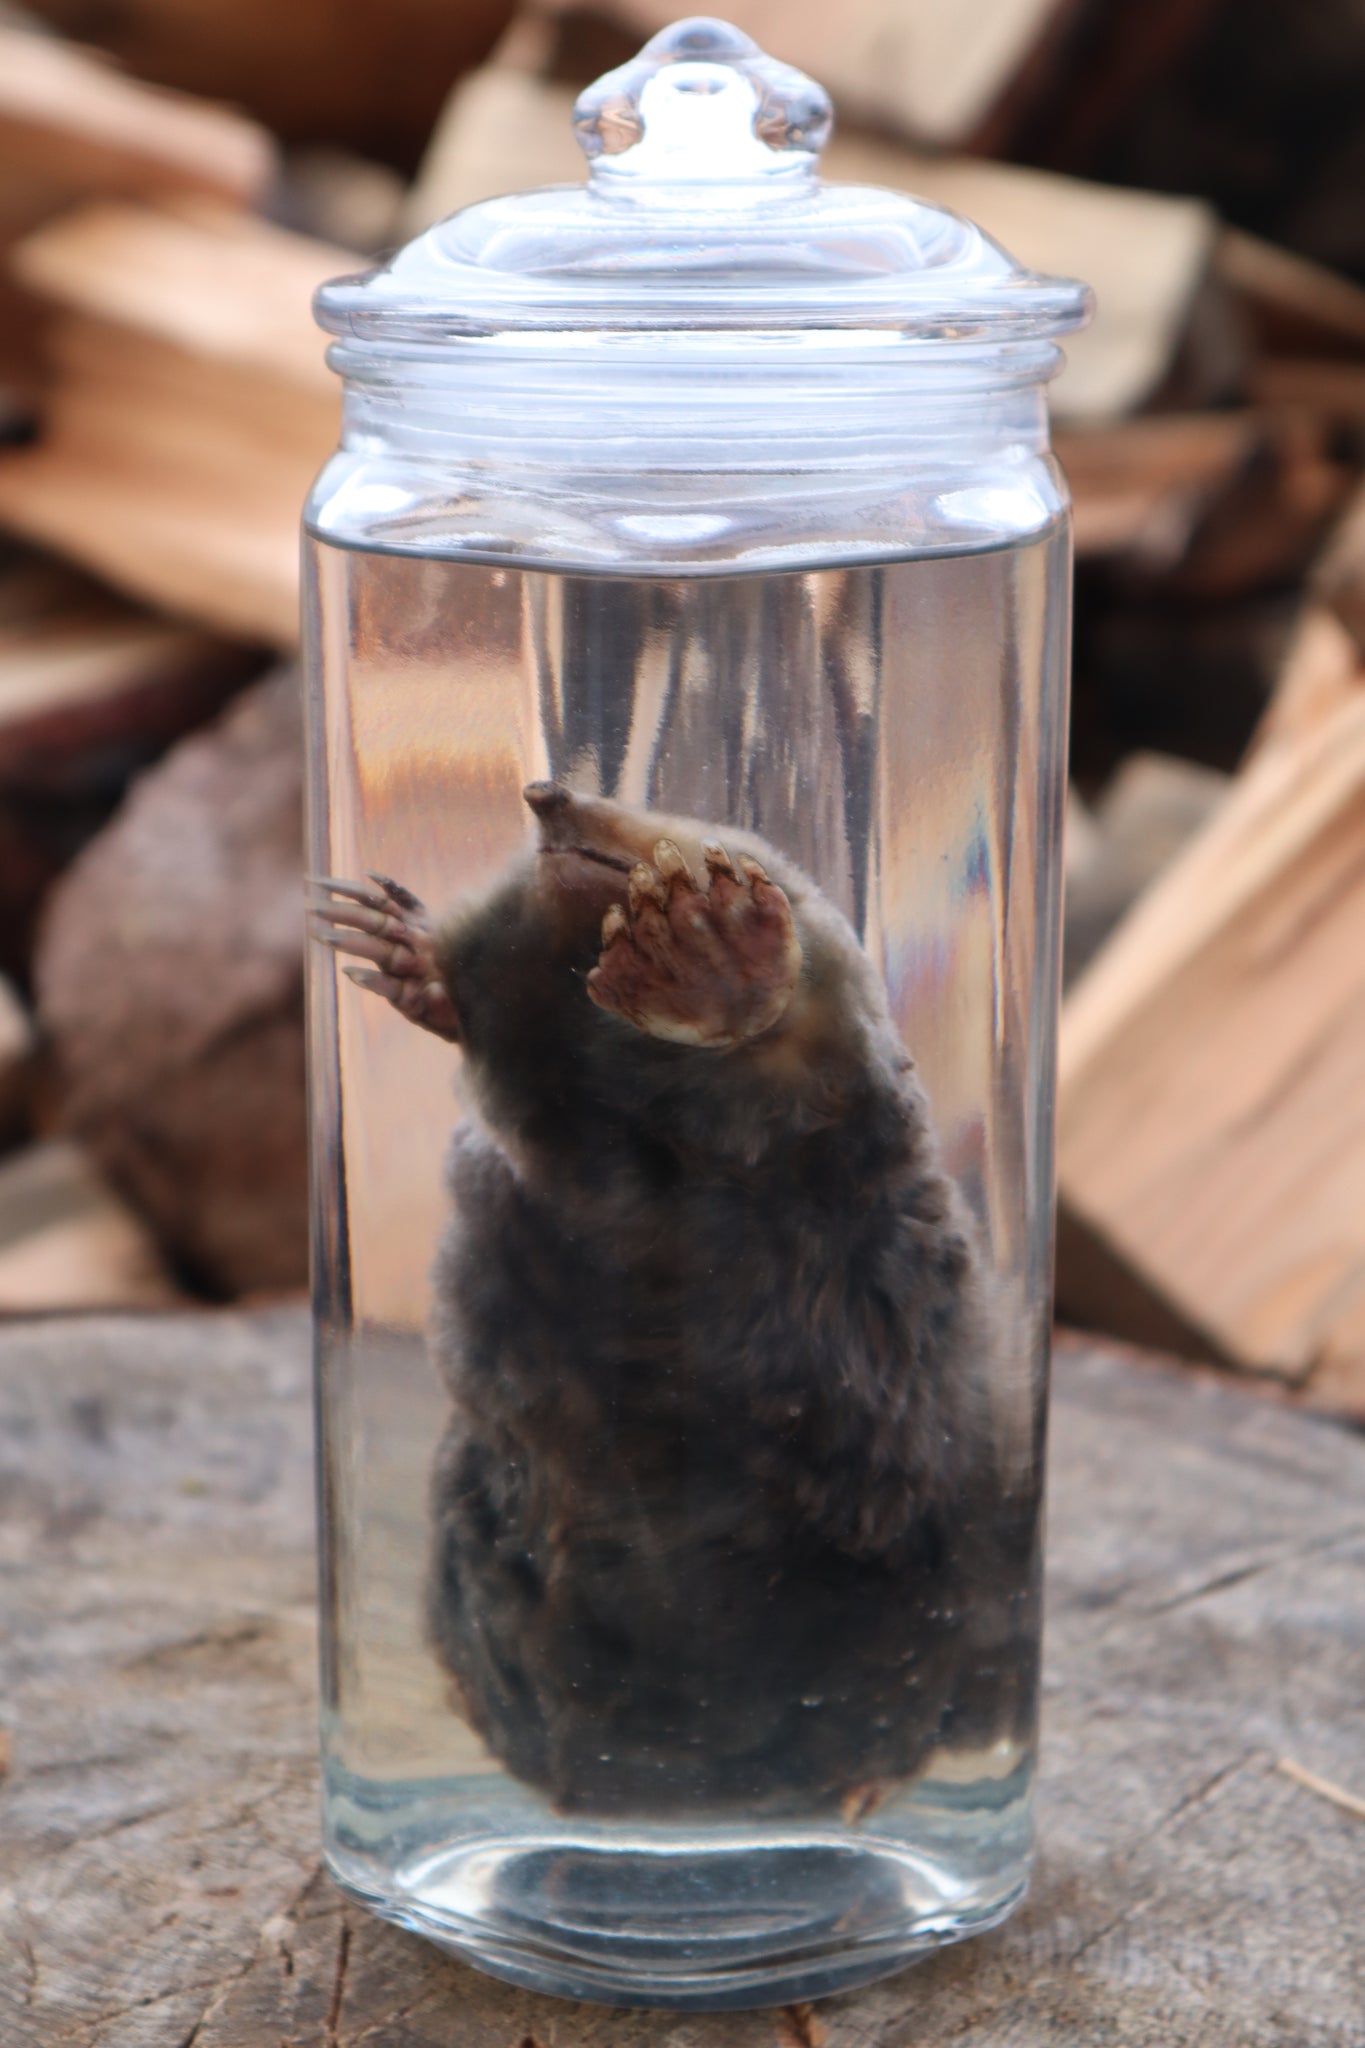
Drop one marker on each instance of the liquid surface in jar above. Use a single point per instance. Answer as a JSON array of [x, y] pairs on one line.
[[683, 1218]]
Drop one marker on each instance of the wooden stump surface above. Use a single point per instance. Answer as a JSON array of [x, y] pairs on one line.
[[159, 1876]]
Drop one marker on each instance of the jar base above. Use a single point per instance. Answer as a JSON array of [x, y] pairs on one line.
[[700, 1930]]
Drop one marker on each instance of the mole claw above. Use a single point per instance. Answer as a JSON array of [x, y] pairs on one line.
[[644, 887], [717, 969], [668, 859], [367, 977], [404, 898], [383, 952], [352, 891], [393, 934]]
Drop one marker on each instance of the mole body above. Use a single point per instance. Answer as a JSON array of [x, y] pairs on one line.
[[718, 1524]]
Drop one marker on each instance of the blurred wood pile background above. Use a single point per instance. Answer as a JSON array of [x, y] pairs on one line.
[[169, 200]]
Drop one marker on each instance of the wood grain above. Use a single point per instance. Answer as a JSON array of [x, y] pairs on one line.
[[69, 115], [160, 1879], [1211, 1058], [190, 407]]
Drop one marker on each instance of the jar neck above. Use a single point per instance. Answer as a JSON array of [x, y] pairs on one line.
[[698, 403]]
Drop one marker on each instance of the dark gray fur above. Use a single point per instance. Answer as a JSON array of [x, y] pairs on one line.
[[717, 1520]]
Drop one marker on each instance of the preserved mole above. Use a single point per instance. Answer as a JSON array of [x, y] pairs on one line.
[[719, 1523]]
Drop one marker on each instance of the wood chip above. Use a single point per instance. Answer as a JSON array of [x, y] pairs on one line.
[[1325, 1789]]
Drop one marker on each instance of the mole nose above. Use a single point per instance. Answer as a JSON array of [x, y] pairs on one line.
[[546, 798]]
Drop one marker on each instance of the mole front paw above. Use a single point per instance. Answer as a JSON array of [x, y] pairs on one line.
[[712, 965], [388, 926]]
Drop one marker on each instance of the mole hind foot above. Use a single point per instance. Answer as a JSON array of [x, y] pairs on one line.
[[387, 925], [712, 965]]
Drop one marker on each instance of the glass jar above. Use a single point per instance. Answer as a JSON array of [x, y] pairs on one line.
[[687, 624]]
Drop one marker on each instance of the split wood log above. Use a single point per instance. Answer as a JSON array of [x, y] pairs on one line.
[[1324, 669], [68, 116], [1294, 306], [170, 982], [91, 690], [191, 408], [338, 197], [505, 127], [67, 1242], [17, 1047], [1111, 62], [159, 1871], [1338, 579], [1146, 813], [1330, 390], [371, 77], [1261, 110], [85, 678], [1142, 488], [1216, 504], [1211, 1133], [72, 127]]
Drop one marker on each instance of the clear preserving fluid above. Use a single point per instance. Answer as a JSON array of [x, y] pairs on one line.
[[891, 730]]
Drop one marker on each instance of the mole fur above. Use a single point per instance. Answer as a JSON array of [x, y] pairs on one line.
[[718, 1523]]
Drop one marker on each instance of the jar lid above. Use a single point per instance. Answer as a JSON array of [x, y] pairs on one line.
[[703, 210]]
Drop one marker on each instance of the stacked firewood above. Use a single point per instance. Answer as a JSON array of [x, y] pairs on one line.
[[165, 402]]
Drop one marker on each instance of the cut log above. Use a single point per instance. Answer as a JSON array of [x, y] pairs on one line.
[[1143, 487], [1216, 504], [68, 116], [1323, 670], [1294, 306], [1145, 255], [1212, 1092], [73, 127], [17, 1049], [67, 1242], [1261, 111], [371, 77], [191, 409], [505, 127], [170, 981], [1339, 579], [86, 679], [335, 196], [159, 1863], [91, 690], [1149, 810], [220, 286], [1331, 390]]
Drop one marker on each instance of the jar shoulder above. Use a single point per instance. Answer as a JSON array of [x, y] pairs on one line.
[[664, 522]]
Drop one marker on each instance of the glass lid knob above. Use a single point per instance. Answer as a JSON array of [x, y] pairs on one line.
[[701, 105]]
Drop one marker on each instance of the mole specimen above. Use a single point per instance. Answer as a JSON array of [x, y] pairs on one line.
[[718, 1524]]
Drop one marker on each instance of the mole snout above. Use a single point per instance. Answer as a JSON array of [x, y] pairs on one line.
[[557, 813], [546, 799]]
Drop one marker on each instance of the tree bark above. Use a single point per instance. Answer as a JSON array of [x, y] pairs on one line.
[[159, 1870]]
